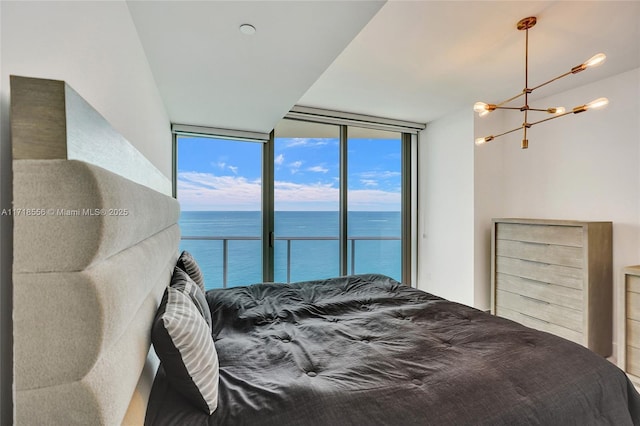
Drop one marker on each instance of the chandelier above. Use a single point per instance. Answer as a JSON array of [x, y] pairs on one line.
[[484, 109]]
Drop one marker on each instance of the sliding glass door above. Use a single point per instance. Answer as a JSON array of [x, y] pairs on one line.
[[374, 201], [306, 201]]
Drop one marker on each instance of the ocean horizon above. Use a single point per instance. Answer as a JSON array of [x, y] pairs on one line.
[[306, 245]]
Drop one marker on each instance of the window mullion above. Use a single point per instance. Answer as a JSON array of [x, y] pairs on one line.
[[268, 241], [343, 201], [406, 212]]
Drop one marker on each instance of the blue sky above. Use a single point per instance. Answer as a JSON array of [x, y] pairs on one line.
[[216, 174]]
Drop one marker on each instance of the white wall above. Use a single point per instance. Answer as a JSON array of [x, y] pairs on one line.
[[445, 206], [584, 166], [95, 48], [488, 202]]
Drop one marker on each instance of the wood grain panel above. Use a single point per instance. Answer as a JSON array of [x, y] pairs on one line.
[[38, 119], [633, 333], [553, 274], [561, 235], [565, 317], [633, 283], [538, 324], [633, 305], [559, 295], [633, 360], [541, 252]]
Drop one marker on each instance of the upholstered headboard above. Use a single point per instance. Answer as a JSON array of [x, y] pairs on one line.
[[93, 251]]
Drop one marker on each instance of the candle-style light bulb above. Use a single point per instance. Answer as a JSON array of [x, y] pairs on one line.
[[598, 103], [595, 60], [480, 141], [480, 107], [556, 110]]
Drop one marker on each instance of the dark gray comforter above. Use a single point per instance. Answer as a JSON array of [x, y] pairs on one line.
[[366, 350]]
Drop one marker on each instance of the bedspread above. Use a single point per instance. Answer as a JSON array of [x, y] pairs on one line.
[[367, 350]]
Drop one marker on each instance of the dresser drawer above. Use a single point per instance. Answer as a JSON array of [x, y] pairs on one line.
[[545, 311], [559, 295], [633, 283], [541, 252], [633, 333], [547, 234], [633, 305], [538, 324], [544, 272], [633, 360]]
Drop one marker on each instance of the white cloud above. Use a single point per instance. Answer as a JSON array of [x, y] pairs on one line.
[[223, 165], [279, 160], [295, 166], [294, 142], [205, 191], [374, 200], [375, 174], [369, 182], [318, 169]]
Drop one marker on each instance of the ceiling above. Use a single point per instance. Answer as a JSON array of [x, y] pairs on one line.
[[407, 60]]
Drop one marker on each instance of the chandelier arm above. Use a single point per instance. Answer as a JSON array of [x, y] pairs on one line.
[[540, 110], [508, 131], [551, 81], [550, 118], [510, 99], [516, 108]]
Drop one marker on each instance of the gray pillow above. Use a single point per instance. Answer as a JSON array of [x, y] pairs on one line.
[[187, 263]]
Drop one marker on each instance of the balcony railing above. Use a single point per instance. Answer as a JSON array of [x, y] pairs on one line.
[[225, 248]]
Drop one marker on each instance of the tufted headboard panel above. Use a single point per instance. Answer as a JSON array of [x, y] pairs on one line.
[[93, 252]]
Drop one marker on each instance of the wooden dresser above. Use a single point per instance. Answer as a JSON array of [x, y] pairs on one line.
[[555, 276], [629, 326]]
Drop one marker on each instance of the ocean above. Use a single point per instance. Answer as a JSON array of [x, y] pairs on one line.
[[306, 245]]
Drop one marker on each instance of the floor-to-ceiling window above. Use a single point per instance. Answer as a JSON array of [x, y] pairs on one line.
[[219, 187], [313, 200], [306, 201]]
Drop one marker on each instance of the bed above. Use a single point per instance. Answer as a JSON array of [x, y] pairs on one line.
[[367, 350], [92, 290]]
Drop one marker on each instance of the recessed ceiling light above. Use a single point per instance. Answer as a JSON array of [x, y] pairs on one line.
[[247, 29]]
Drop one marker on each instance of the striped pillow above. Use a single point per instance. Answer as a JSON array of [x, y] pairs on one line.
[[187, 263], [182, 340], [181, 281]]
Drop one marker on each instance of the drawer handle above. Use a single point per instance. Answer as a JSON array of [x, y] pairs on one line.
[[536, 243], [535, 300], [534, 318], [532, 281]]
